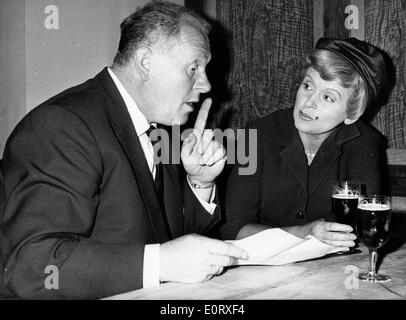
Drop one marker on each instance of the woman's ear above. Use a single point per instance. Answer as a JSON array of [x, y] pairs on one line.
[[350, 121], [143, 62]]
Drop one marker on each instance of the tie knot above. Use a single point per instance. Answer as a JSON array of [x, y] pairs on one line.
[[153, 135], [150, 130]]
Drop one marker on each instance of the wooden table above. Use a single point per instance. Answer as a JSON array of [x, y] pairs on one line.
[[329, 278]]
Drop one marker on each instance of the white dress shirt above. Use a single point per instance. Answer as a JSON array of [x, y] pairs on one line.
[[141, 125]]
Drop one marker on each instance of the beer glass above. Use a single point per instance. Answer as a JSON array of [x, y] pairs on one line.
[[344, 201], [373, 229]]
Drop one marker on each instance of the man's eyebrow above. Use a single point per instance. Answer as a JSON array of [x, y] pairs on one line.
[[209, 57], [203, 57]]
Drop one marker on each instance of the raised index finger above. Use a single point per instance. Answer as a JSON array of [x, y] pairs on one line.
[[200, 123]]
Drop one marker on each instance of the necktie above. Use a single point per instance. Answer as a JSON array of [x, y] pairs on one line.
[[158, 181]]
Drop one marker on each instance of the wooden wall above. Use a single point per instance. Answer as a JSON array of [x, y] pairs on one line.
[[12, 67], [267, 41]]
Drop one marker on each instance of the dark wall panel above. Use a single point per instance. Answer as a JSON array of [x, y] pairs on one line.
[[334, 19], [385, 27]]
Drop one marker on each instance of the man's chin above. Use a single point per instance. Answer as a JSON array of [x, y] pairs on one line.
[[177, 122]]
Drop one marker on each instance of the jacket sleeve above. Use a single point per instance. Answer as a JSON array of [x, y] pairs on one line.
[[197, 219], [53, 169]]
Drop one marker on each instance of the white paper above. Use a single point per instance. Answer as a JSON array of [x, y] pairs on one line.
[[277, 247]]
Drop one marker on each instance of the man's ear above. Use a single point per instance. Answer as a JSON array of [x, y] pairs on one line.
[[143, 62]]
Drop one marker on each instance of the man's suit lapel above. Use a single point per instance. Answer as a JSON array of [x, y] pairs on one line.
[[124, 129], [173, 200]]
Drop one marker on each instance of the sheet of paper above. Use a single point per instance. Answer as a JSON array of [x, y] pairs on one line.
[[277, 247]]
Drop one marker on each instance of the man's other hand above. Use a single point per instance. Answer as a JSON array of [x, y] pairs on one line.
[[195, 259]]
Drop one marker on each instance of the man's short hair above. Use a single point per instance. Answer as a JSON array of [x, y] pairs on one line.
[[158, 20]]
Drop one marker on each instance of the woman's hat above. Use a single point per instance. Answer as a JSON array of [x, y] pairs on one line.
[[366, 59]]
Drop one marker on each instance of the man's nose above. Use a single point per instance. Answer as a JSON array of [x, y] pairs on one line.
[[202, 84]]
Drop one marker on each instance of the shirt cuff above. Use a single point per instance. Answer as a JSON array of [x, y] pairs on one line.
[[151, 266], [210, 207]]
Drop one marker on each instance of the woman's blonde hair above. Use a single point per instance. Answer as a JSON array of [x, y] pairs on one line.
[[332, 66]]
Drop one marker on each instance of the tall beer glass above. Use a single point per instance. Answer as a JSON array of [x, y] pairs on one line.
[[344, 201], [373, 229]]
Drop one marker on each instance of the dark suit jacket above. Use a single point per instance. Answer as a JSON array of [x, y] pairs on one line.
[[285, 191], [80, 196]]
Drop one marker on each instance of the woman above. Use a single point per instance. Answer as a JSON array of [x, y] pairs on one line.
[[302, 151]]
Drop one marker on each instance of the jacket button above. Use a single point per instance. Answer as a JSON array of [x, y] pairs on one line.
[[300, 215]]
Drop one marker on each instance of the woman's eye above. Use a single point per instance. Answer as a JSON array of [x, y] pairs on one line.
[[329, 98], [306, 86]]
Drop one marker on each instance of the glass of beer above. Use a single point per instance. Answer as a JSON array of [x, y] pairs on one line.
[[373, 229], [344, 201]]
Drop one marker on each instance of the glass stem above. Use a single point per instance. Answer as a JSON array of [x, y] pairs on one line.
[[373, 255]]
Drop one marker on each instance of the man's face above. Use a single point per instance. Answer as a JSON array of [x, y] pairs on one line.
[[320, 105], [178, 77]]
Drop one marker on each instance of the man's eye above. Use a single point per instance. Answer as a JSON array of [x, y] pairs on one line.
[[192, 70]]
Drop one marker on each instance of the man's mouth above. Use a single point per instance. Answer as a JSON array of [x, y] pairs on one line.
[[191, 105]]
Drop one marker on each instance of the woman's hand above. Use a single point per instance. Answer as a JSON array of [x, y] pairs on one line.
[[332, 233]]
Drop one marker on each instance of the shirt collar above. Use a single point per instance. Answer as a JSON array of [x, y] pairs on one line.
[[141, 123]]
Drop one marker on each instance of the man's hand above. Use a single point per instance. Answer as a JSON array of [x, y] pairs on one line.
[[203, 157], [332, 233], [195, 259]]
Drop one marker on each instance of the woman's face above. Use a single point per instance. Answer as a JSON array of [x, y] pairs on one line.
[[320, 105]]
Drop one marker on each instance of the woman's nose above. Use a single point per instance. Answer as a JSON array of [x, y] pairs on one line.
[[310, 100]]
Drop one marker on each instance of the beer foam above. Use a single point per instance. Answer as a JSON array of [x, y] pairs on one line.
[[346, 196], [373, 206]]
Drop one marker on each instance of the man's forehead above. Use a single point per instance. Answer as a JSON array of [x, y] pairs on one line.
[[196, 39], [189, 38]]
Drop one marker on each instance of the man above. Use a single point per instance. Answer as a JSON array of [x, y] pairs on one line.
[[81, 183]]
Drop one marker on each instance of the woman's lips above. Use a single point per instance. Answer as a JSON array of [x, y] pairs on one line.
[[305, 116]]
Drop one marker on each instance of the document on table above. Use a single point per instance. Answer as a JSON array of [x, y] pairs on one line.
[[278, 247]]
